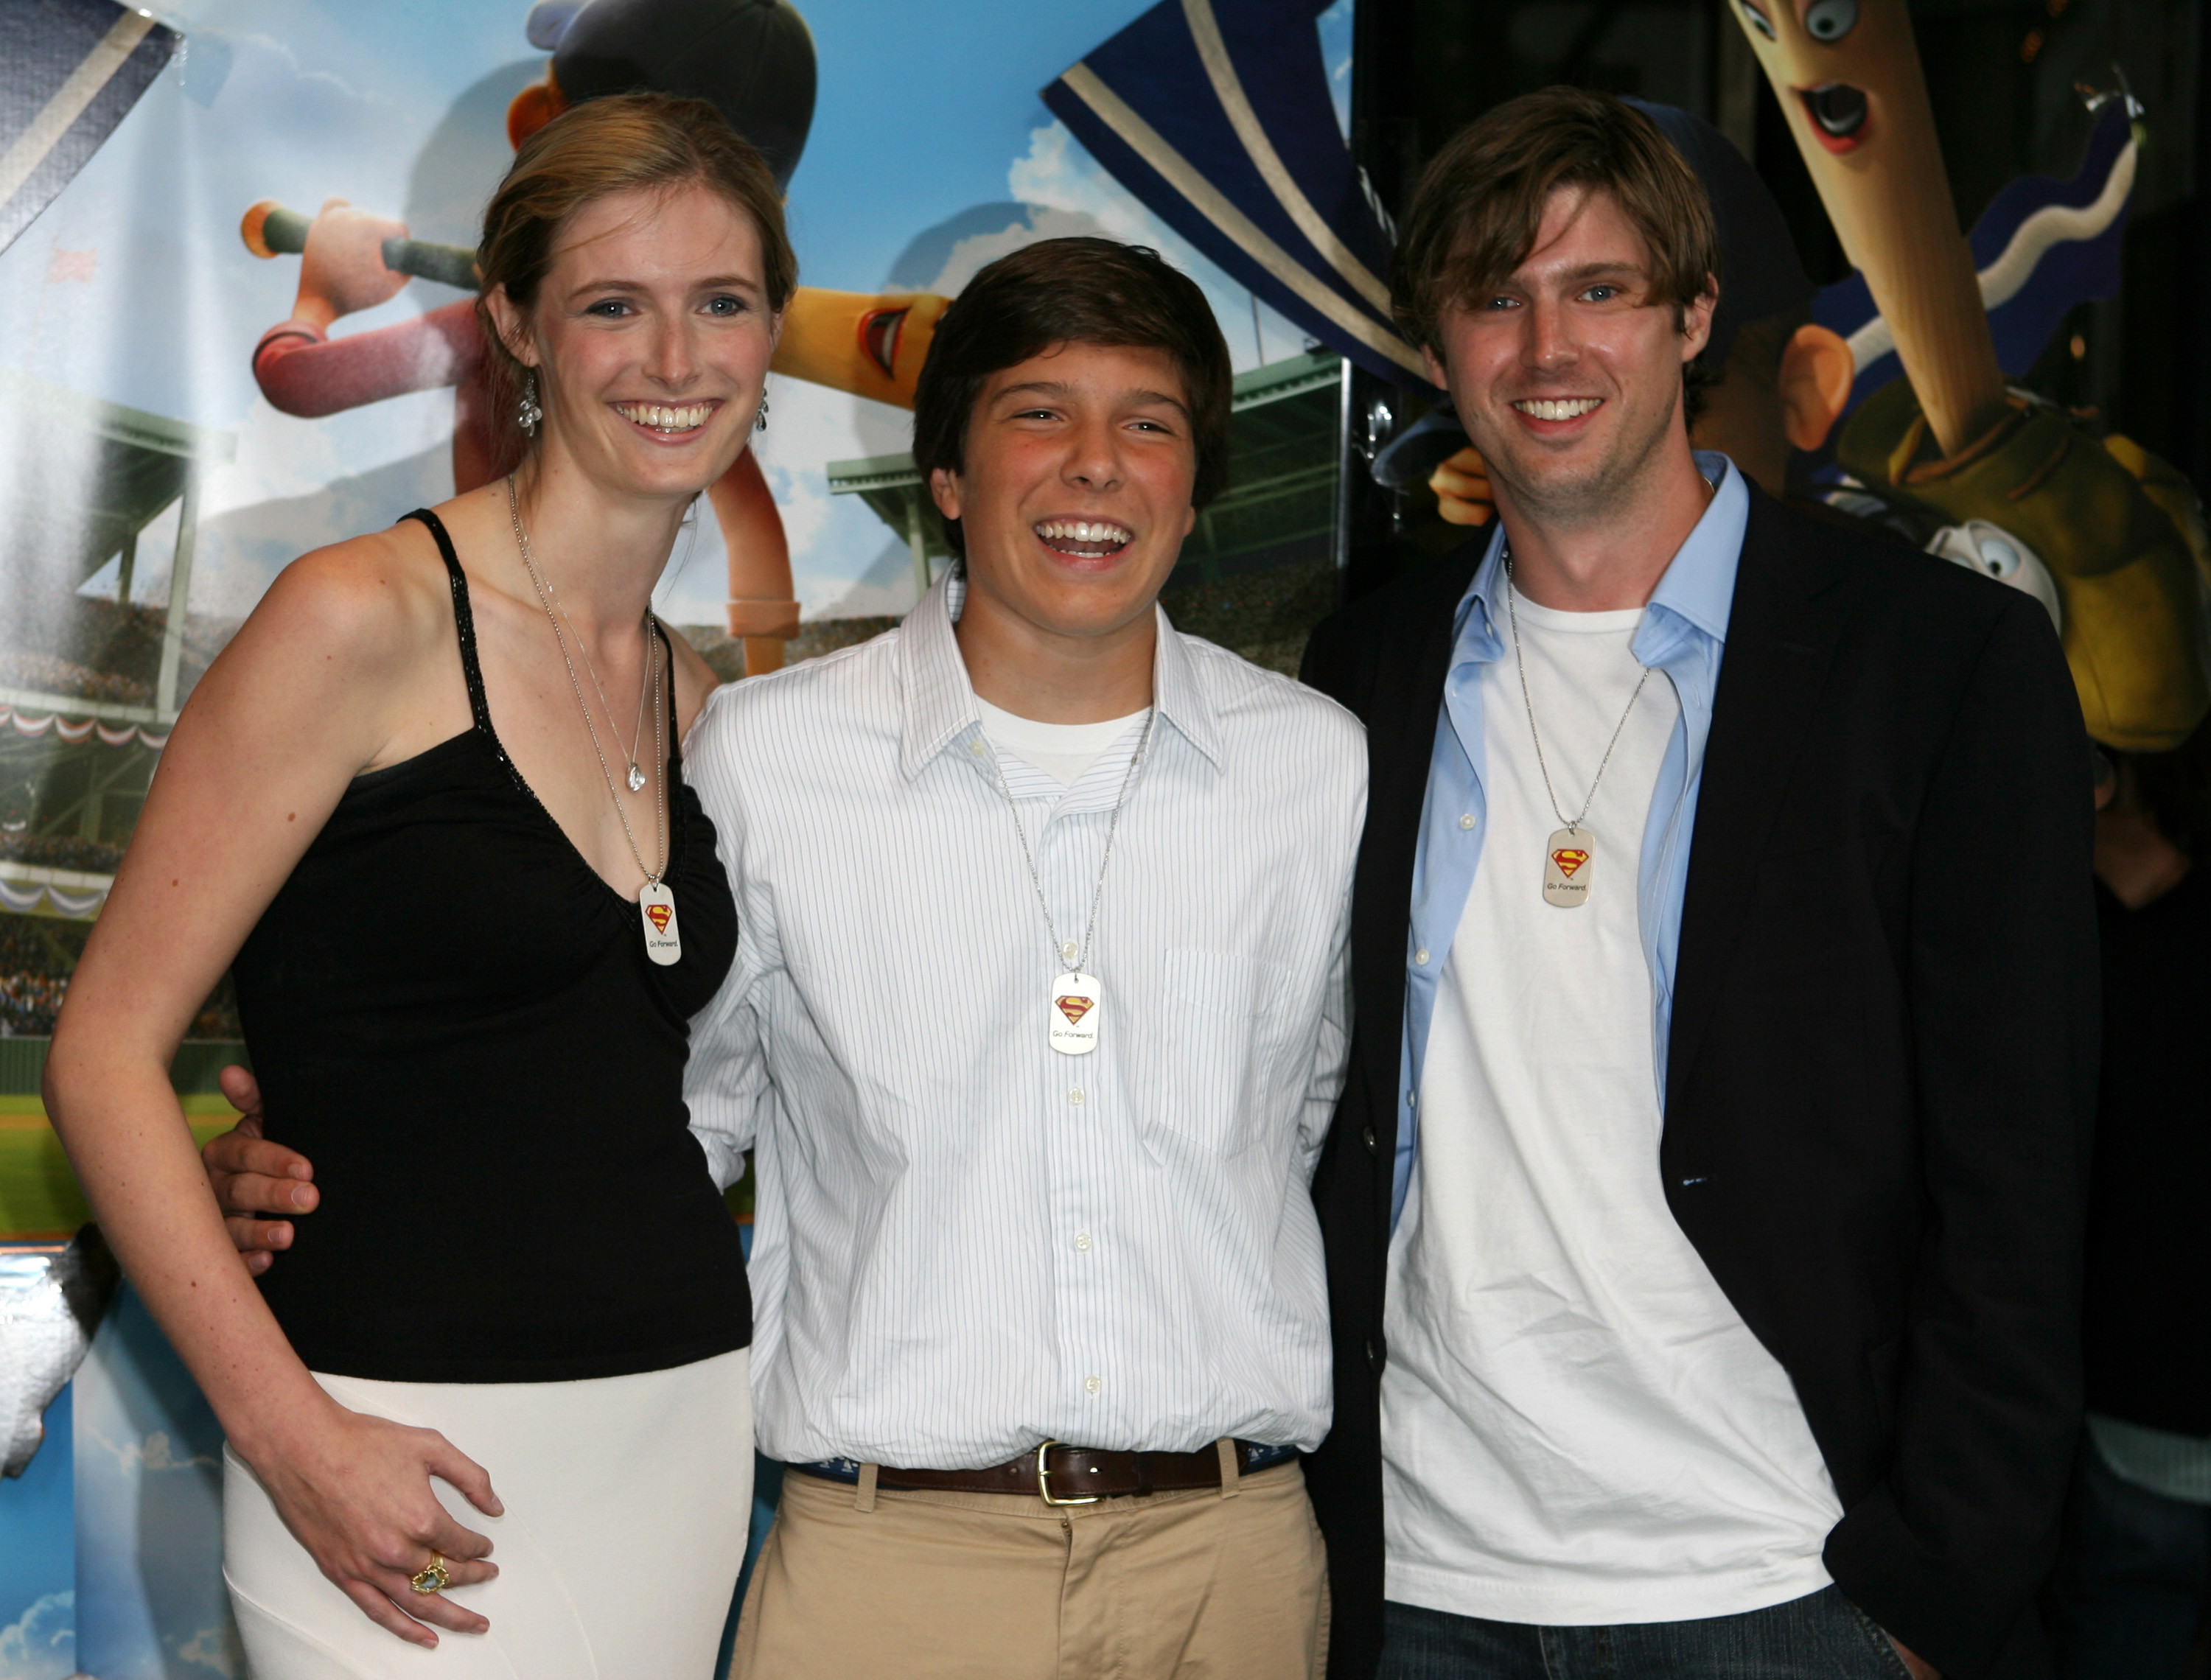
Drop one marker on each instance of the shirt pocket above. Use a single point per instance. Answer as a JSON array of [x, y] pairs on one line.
[[1221, 1012]]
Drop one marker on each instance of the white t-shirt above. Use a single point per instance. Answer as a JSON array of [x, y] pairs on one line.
[[1577, 1428], [1061, 751]]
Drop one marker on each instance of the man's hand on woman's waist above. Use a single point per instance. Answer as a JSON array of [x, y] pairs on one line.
[[253, 1178]]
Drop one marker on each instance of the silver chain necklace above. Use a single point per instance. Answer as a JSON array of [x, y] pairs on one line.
[[636, 774], [1075, 995], [656, 904], [1570, 852]]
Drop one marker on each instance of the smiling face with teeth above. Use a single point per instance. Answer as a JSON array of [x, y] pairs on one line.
[[1567, 375], [1073, 496], [650, 338]]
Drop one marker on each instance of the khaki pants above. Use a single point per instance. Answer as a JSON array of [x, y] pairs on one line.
[[1228, 1584]]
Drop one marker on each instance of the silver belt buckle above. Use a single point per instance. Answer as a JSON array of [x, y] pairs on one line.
[[1044, 1480]]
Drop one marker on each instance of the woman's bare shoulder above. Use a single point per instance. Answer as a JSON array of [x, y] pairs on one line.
[[349, 634], [373, 599]]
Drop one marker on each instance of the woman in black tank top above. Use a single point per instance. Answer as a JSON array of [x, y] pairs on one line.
[[468, 919]]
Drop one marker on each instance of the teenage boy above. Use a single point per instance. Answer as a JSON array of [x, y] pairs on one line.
[[1704, 1208], [1038, 1021]]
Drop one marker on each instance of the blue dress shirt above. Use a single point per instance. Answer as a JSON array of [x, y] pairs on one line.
[[1683, 634]]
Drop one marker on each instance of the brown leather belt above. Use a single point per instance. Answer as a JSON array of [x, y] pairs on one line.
[[1062, 1475]]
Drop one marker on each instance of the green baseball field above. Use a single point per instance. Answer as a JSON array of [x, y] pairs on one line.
[[39, 1194]]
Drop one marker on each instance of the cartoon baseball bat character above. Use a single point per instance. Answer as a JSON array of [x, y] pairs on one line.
[[753, 59], [2103, 532]]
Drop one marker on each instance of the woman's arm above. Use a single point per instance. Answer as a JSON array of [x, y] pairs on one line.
[[319, 685]]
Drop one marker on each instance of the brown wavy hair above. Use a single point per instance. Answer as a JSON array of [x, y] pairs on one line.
[[1480, 204], [621, 143]]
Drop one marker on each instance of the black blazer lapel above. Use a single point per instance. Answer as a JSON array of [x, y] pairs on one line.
[[1778, 645], [1401, 730]]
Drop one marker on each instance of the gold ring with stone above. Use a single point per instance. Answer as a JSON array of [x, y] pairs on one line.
[[432, 1577]]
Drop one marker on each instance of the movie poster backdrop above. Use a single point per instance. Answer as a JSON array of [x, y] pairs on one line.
[[163, 456]]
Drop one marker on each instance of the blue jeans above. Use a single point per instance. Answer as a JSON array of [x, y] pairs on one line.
[[1823, 1636], [2128, 1591]]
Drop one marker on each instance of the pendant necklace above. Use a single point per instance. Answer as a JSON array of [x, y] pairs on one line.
[[1072, 1018], [636, 774], [656, 904], [1570, 852]]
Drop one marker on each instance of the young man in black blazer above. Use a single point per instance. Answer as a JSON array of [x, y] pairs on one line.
[[1703, 1209]]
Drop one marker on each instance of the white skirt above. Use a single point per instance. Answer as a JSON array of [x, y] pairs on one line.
[[627, 1499]]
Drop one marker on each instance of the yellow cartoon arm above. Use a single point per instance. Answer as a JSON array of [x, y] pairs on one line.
[[2119, 533]]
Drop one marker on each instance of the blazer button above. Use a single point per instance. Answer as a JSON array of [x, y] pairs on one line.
[[1368, 1134], [1378, 1356]]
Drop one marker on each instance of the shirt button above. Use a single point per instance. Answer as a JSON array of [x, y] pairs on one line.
[[1090, 1385], [1420, 956], [1075, 1097], [977, 748], [1082, 1242], [1411, 1099], [1467, 821]]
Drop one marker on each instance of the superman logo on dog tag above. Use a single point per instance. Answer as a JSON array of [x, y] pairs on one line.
[[1074, 1014], [1568, 857]]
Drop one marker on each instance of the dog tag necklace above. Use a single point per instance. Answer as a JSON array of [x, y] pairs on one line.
[[1072, 1016], [656, 904], [1570, 852]]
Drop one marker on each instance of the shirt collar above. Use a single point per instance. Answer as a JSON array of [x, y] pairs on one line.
[[1699, 587], [940, 701], [1696, 590]]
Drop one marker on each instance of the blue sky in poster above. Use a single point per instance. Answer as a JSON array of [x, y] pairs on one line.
[[929, 153], [38, 1559]]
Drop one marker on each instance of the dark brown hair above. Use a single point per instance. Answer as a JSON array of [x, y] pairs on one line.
[[617, 144], [1072, 291], [1480, 204]]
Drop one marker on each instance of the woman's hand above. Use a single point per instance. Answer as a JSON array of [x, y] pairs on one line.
[[355, 1491]]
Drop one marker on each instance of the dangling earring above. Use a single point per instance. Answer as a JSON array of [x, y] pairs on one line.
[[760, 420], [527, 414]]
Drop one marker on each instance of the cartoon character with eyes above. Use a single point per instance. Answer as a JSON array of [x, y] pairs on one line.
[[752, 58], [2109, 537]]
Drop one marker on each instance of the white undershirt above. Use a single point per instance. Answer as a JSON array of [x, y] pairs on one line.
[[1577, 1428], [1061, 751]]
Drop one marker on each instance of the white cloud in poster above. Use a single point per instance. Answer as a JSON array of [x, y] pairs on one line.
[[321, 79], [1043, 223], [1069, 191], [42, 1643], [216, 1650], [156, 1452]]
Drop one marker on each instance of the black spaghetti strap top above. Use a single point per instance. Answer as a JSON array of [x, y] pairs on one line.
[[453, 1017]]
